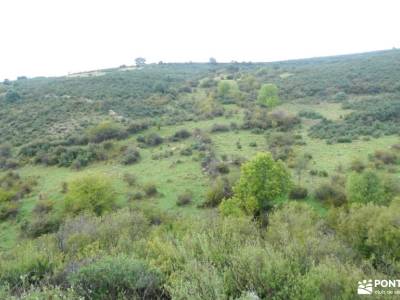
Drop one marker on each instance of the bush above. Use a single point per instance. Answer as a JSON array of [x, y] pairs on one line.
[[43, 207], [186, 152], [180, 135], [129, 178], [105, 131], [219, 128], [130, 156], [222, 168], [185, 198], [387, 157], [5, 151], [357, 165], [40, 224], [93, 193], [330, 194], [136, 127], [219, 190], [298, 192], [8, 210], [117, 277], [365, 187], [150, 189], [152, 140], [137, 196]]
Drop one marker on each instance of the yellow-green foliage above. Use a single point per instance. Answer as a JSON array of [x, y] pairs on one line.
[[365, 187], [373, 231], [268, 95], [93, 193], [262, 181], [228, 91]]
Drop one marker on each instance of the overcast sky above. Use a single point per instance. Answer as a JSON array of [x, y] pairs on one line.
[[57, 37]]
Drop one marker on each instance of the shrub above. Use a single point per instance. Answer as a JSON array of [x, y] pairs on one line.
[[40, 224], [330, 194], [136, 127], [129, 178], [117, 277], [150, 189], [153, 139], [184, 198], [130, 156], [43, 207], [253, 144], [186, 152], [180, 135], [298, 192], [222, 168], [105, 131], [29, 264], [137, 196], [219, 190], [386, 157], [92, 193], [365, 187], [8, 210], [357, 165], [219, 128], [5, 151]]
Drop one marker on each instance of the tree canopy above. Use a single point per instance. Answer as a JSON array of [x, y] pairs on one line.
[[262, 181], [268, 95]]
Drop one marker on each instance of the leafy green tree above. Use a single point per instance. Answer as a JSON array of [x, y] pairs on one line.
[[268, 95], [262, 181], [228, 91], [365, 187], [212, 61], [93, 193], [140, 61]]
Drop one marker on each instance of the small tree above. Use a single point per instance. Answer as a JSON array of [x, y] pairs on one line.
[[268, 95], [365, 187], [93, 193], [140, 61], [212, 61], [262, 181], [12, 96], [301, 165], [228, 91]]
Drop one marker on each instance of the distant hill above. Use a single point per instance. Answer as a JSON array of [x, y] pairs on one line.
[[57, 107]]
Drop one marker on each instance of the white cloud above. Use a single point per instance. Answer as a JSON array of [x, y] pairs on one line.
[[54, 37]]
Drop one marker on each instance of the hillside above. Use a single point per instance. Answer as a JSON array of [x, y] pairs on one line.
[[156, 172]]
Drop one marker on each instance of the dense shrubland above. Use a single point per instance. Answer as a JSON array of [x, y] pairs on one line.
[[277, 225], [298, 255]]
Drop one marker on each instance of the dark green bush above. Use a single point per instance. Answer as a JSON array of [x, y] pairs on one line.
[[298, 192], [219, 190], [106, 131], [184, 198], [180, 135], [115, 277], [219, 128], [150, 189], [130, 156], [330, 194]]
